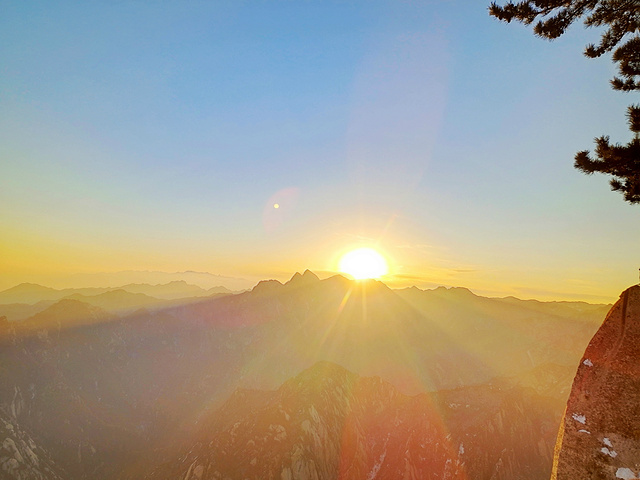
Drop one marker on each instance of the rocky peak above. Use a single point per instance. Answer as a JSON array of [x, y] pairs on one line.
[[67, 311], [454, 292], [600, 434], [306, 278], [267, 286]]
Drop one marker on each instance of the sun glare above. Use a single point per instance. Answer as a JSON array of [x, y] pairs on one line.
[[363, 263]]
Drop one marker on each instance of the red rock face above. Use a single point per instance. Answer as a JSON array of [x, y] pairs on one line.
[[600, 433]]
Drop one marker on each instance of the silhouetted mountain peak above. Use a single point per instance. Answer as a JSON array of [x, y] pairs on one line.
[[27, 293], [218, 290], [68, 311], [338, 280], [308, 277], [309, 274], [267, 286], [69, 305], [26, 286], [412, 289], [455, 291]]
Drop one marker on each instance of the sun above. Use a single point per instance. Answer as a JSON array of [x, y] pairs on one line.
[[363, 263]]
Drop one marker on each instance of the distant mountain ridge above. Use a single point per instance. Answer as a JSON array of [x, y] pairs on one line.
[[152, 277], [27, 299], [31, 292]]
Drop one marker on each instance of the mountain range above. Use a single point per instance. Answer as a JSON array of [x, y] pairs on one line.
[[114, 279], [24, 300], [440, 381]]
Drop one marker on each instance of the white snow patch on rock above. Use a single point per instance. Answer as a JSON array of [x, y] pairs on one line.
[[612, 453], [584, 431], [625, 473], [607, 442], [588, 362], [579, 418]]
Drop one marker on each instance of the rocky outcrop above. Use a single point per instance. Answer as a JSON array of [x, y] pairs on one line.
[[20, 457], [600, 433], [328, 423]]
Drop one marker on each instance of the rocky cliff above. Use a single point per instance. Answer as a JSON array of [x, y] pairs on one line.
[[600, 433]]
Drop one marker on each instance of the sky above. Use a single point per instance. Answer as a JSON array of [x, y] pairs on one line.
[[157, 135]]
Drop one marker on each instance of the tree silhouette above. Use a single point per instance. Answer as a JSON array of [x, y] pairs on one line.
[[621, 22]]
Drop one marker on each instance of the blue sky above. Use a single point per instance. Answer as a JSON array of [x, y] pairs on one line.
[[156, 135]]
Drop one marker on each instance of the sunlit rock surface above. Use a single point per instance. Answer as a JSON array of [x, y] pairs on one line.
[[600, 433]]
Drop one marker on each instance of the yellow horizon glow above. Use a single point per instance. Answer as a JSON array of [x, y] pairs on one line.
[[363, 263]]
